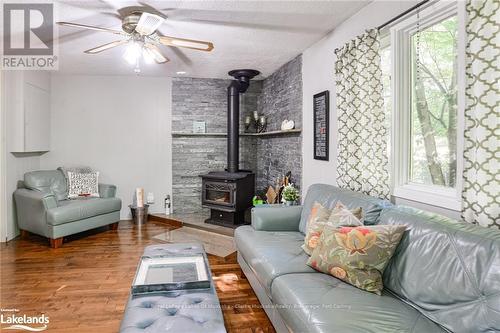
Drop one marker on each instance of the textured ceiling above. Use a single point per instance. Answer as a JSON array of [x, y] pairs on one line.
[[247, 34]]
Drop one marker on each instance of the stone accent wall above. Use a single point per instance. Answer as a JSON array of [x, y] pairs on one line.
[[281, 96], [204, 100], [276, 156], [278, 97], [281, 99]]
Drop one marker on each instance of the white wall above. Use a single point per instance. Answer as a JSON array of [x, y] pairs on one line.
[[14, 166], [318, 75], [119, 126], [3, 161]]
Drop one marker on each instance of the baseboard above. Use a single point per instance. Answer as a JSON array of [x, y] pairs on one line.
[[166, 219], [265, 301]]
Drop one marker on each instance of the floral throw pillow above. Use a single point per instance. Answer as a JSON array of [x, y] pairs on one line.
[[83, 184], [357, 255], [339, 216]]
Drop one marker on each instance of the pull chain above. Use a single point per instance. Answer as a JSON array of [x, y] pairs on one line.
[[417, 51]]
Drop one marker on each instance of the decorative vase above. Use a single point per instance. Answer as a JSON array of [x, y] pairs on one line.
[[289, 203]]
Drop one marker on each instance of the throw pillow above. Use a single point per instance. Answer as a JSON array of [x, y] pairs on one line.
[[84, 184], [357, 255], [339, 216], [65, 170]]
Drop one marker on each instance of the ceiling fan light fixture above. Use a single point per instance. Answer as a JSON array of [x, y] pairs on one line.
[[148, 23], [132, 53]]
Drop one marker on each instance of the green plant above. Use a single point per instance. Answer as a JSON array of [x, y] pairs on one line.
[[290, 193]]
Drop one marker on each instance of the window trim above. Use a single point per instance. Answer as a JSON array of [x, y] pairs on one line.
[[449, 198]]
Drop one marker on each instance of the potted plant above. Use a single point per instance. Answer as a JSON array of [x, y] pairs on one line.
[[290, 195]]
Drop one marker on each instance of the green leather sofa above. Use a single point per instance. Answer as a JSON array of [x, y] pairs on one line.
[[444, 276], [43, 208]]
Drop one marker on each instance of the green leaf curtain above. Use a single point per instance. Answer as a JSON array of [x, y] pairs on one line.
[[362, 133], [482, 113]]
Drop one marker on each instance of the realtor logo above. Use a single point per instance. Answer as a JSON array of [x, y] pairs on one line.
[[28, 36], [11, 319]]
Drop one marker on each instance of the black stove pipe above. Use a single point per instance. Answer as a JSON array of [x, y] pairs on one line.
[[238, 85]]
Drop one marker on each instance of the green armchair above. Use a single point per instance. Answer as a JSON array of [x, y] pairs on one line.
[[43, 208]]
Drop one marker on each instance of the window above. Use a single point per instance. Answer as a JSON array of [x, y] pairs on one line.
[[433, 118], [425, 98]]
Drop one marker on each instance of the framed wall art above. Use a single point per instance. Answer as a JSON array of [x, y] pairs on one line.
[[321, 111]]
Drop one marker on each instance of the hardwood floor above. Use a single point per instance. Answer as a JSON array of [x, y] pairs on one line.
[[84, 285]]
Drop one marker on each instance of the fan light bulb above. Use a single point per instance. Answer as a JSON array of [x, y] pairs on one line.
[[132, 53]]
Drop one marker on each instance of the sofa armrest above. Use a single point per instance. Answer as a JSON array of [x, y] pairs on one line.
[[276, 218], [107, 190], [31, 207], [25, 197]]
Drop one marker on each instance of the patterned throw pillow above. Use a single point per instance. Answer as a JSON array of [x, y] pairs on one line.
[[83, 184], [357, 255], [339, 216]]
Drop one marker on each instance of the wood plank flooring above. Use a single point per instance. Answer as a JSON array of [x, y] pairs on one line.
[[84, 285]]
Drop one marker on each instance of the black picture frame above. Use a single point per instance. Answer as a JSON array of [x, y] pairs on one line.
[[321, 123]]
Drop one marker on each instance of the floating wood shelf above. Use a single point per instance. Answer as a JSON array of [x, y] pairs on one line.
[[180, 134], [274, 133], [270, 133]]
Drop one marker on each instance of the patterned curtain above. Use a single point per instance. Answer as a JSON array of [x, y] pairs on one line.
[[482, 113], [362, 133]]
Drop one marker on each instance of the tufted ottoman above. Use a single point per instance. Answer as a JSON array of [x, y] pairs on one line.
[[179, 311]]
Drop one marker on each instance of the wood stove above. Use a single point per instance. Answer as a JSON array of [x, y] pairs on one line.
[[229, 193]]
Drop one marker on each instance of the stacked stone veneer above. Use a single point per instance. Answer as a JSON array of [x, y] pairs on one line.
[[281, 99], [278, 97], [204, 100]]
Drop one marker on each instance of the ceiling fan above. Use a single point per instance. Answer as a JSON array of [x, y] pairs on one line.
[[140, 33]]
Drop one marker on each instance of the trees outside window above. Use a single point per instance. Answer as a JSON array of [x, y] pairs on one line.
[[433, 138], [423, 59]]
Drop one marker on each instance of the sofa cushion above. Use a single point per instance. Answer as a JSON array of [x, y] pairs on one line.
[[328, 196], [73, 210], [449, 270], [271, 254], [47, 181], [321, 303]]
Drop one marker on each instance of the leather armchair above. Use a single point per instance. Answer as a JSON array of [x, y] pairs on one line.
[[43, 208]]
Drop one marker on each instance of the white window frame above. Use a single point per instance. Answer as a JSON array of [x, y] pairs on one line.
[[435, 195]]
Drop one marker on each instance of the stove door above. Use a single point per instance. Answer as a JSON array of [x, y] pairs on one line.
[[218, 194]]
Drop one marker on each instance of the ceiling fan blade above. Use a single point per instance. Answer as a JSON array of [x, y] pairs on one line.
[[106, 46], [155, 53], [91, 27], [187, 43]]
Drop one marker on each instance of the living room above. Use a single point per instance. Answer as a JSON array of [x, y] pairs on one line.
[[256, 166]]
